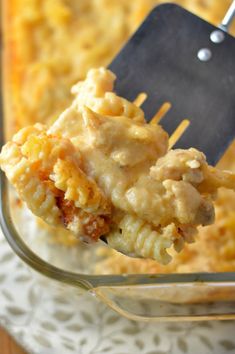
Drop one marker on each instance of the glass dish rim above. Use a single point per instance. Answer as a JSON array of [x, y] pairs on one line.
[[85, 281]]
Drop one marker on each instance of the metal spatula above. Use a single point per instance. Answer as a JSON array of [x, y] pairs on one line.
[[179, 58]]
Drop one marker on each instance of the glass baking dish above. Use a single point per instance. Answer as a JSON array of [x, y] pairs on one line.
[[147, 297]]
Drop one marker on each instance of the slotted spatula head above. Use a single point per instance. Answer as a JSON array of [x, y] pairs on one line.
[[162, 60]]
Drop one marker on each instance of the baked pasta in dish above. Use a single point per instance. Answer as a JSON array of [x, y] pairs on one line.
[[101, 171], [51, 44]]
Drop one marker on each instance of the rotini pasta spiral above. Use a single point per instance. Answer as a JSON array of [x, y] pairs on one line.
[[46, 171], [137, 238]]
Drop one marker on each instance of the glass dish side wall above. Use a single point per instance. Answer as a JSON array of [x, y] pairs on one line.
[[172, 301]]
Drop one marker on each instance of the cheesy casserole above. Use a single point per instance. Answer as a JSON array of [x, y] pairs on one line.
[[101, 171], [42, 63]]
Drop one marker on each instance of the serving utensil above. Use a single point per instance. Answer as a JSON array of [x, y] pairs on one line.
[[188, 65]]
